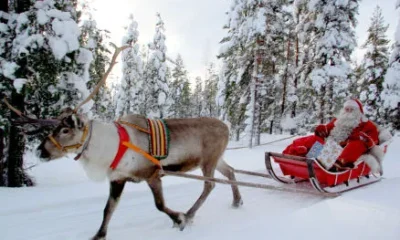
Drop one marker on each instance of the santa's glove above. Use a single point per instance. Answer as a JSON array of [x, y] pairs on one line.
[[321, 131], [367, 140]]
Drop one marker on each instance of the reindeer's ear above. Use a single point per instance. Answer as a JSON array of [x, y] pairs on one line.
[[66, 112], [73, 121], [80, 121]]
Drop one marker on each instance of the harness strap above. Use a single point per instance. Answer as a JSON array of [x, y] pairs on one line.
[[124, 144], [145, 154], [123, 137], [134, 126], [73, 146], [86, 144]]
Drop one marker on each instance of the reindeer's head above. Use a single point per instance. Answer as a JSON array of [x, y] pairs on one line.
[[68, 136]]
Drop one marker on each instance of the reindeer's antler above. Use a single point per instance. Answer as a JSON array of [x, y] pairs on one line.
[[103, 80], [18, 112], [27, 120]]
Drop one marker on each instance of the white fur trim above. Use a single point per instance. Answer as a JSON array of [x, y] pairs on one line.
[[384, 135], [377, 152], [364, 118], [372, 163], [354, 104], [351, 103]]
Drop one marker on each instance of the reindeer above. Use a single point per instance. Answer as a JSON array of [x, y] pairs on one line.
[[194, 143]]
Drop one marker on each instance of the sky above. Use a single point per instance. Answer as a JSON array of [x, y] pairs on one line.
[[194, 27]]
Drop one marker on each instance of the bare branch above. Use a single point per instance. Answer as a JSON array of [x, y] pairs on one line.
[[27, 120]]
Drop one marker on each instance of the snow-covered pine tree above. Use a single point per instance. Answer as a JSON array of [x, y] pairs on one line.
[[332, 24], [46, 66], [391, 86], [237, 67], [156, 92], [144, 55], [197, 100], [210, 92], [180, 91], [5, 86], [253, 48], [287, 75], [95, 40], [374, 66], [130, 94], [304, 109], [108, 113]]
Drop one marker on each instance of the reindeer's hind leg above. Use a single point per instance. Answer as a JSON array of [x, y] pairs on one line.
[[208, 171], [228, 172], [155, 185], [116, 189]]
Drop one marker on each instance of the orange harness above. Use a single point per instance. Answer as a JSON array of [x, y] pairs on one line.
[[124, 144]]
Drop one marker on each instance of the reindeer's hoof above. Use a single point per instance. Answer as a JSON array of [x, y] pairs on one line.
[[237, 204], [99, 236], [180, 222]]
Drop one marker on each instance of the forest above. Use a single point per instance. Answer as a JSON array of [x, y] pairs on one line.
[[286, 66]]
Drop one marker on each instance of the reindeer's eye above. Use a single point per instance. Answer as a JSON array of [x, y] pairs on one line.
[[65, 131]]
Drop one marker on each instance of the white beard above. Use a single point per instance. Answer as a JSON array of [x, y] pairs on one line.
[[344, 125]]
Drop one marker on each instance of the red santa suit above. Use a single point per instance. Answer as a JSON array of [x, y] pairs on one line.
[[356, 138]]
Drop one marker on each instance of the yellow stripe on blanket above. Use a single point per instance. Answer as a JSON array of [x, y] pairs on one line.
[[158, 138]]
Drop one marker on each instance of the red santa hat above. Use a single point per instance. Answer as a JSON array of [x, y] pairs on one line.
[[356, 104]]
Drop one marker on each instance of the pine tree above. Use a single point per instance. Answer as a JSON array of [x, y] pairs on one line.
[[130, 93], [252, 52], [210, 92], [156, 92], [197, 100], [374, 66], [45, 69], [304, 109], [330, 29], [95, 40], [391, 86], [180, 91]]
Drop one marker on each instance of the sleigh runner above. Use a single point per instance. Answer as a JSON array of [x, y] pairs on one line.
[[296, 169]]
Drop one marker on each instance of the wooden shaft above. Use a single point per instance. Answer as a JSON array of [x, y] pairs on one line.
[[245, 184], [252, 173]]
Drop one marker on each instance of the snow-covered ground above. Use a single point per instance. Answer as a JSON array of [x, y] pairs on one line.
[[66, 205]]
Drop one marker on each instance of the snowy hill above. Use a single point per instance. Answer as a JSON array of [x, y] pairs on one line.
[[66, 205]]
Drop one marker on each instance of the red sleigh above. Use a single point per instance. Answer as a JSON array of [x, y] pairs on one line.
[[298, 169]]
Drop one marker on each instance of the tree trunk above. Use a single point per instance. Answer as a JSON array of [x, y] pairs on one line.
[[2, 150], [285, 78], [3, 8], [271, 125], [15, 172], [296, 75]]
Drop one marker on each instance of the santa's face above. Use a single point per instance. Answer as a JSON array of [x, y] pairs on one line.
[[349, 116], [348, 109], [348, 119]]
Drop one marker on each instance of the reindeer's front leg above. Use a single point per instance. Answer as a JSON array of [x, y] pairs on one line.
[[156, 188], [116, 188]]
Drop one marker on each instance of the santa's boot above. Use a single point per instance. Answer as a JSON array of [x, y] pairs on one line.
[[340, 164]]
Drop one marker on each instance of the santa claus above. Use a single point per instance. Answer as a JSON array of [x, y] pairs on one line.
[[351, 130]]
